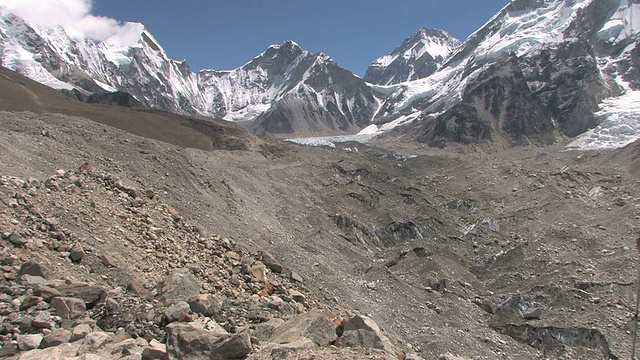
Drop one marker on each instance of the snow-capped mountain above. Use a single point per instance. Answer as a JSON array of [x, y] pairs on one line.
[[537, 70], [288, 90], [284, 91], [419, 56]]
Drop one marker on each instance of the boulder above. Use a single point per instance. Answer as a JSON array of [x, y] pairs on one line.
[[263, 332], [155, 351], [96, 340], [313, 325], [42, 320], [69, 308], [180, 311], [272, 263], [17, 239], [205, 304], [29, 342], [47, 354], [180, 285], [91, 295], [259, 272], [296, 277], [45, 292], [55, 338], [33, 268], [236, 346], [184, 341], [76, 254], [363, 332], [80, 331]]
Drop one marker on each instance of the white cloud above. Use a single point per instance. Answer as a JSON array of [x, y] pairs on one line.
[[73, 15]]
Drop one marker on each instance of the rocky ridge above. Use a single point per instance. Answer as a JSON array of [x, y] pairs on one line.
[[147, 284]]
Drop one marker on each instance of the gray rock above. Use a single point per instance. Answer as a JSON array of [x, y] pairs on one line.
[[180, 311], [313, 325], [108, 260], [532, 314], [45, 292], [29, 342], [184, 341], [33, 268], [43, 320], [47, 354], [155, 351], [80, 331], [296, 277], [263, 332], [237, 346], [91, 295], [271, 263], [96, 340], [362, 331], [76, 254], [205, 304], [17, 239], [180, 285], [259, 272], [55, 338], [69, 308]]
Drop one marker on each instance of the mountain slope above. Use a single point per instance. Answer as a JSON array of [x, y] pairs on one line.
[[332, 100], [572, 55], [419, 56]]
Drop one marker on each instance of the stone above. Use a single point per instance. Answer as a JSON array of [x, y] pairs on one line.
[[91, 295], [296, 277], [282, 351], [30, 301], [259, 272], [42, 320], [33, 268], [179, 311], [205, 304], [29, 342], [272, 263], [108, 260], [363, 332], [80, 331], [17, 239], [297, 296], [184, 341], [30, 280], [155, 351], [45, 292], [8, 350], [264, 331], [69, 308], [76, 254], [232, 255], [532, 314], [236, 346], [313, 325], [55, 338], [47, 354], [180, 285], [96, 339]]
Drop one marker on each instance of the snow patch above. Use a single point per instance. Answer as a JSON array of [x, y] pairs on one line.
[[620, 124]]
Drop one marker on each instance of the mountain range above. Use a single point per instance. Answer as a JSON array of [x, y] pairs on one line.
[[539, 71]]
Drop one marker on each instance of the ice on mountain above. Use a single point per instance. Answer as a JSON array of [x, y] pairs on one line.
[[620, 124]]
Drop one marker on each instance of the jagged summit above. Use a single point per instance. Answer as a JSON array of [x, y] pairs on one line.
[[418, 57]]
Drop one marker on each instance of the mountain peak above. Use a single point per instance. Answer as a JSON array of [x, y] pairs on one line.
[[419, 56]]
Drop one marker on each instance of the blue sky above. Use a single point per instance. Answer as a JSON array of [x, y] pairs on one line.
[[225, 34]]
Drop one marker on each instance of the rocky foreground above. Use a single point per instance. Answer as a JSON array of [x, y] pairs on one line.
[[71, 244]]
